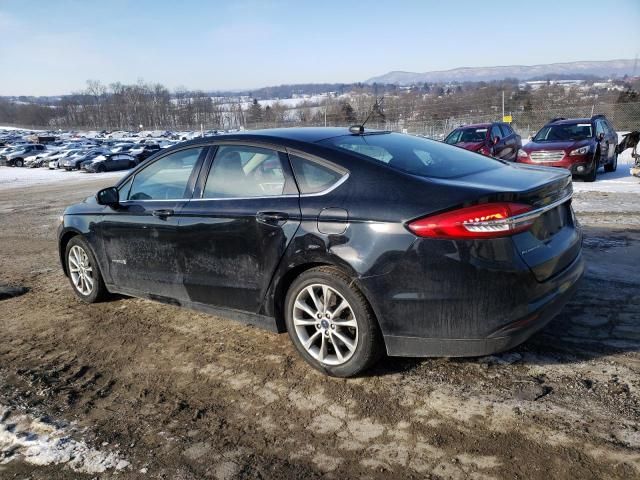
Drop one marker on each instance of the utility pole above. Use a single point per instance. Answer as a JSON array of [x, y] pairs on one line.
[[502, 104]]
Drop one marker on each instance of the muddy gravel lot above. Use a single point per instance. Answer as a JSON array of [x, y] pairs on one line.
[[135, 389]]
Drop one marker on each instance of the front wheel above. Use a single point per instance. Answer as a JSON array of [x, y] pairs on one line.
[[331, 323], [84, 273], [18, 163], [591, 176]]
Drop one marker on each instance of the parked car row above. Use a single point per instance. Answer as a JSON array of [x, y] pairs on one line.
[[581, 145], [88, 154]]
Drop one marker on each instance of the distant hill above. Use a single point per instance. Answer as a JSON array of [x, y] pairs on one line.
[[616, 68]]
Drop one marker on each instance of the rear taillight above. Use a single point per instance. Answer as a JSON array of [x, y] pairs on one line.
[[490, 220]]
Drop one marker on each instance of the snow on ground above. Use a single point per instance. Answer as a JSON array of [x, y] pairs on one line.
[[620, 181], [13, 177], [41, 442]]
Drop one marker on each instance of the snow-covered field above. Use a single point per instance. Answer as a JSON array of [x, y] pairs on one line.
[[12, 177]]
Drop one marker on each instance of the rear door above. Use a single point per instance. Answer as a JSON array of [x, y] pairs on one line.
[[140, 237], [510, 142], [233, 233]]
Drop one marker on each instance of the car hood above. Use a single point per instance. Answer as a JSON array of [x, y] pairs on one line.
[[473, 146], [568, 145]]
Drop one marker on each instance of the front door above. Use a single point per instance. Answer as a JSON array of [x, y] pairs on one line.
[[139, 237], [234, 231]]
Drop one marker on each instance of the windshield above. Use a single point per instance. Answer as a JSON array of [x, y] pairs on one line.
[[415, 155], [564, 132], [467, 135]]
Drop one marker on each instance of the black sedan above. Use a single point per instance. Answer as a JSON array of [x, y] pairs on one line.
[[108, 162], [354, 242]]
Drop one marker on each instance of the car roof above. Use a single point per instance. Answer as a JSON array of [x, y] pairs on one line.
[[570, 121], [477, 125], [294, 135]]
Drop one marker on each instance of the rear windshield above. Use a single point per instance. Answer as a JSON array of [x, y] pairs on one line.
[[415, 155]]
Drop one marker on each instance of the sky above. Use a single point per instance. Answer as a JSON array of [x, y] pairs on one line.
[[53, 47]]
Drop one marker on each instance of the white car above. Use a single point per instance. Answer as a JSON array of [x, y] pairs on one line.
[[39, 159], [56, 159]]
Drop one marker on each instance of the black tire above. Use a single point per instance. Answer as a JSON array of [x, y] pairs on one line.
[[99, 291], [18, 162], [101, 169], [369, 346], [591, 176], [612, 167]]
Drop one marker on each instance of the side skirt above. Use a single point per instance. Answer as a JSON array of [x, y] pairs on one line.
[[254, 319]]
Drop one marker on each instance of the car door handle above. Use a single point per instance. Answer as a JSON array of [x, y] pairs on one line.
[[162, 213], [272, 218]]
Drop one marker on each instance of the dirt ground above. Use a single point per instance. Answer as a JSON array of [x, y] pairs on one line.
[[184, 395]]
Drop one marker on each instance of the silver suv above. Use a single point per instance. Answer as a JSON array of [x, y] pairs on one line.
[[17, 156]]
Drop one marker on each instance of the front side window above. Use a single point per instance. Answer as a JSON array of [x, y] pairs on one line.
[[167, 178], [495, 132], [314, 177], [242, 171]]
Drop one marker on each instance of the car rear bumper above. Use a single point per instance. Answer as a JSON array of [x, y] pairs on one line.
[[540, 311]]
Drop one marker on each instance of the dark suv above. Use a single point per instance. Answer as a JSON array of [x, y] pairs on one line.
[[496, 140], [581, 145]]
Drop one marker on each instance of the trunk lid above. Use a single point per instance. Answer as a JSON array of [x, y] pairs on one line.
[[554, 240]]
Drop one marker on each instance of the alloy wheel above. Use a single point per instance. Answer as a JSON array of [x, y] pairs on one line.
[[325, 324], [81, 270]]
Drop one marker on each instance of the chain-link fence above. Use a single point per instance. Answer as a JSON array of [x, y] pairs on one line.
[[623, 116]]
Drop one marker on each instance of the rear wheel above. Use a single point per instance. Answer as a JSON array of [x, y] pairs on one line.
[[611, 167], [331, 323], [84, 273]]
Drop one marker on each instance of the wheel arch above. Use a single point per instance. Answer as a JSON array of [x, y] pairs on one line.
[[64, 240], [282, 284]]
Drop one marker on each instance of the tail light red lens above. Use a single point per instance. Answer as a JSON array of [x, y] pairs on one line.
[[490, 220]]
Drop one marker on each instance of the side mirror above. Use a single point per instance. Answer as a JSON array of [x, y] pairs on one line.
[[496, 139], [600, 136], [108, 196]]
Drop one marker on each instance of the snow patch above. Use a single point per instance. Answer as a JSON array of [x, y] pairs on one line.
[[12, 177], [39, 442]]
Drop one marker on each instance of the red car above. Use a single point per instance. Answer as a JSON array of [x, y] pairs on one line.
[[491, 139], [581, 145]]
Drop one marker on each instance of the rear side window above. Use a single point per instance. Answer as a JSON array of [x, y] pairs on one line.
[[418, 156], [315, 177], [244, 172]]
